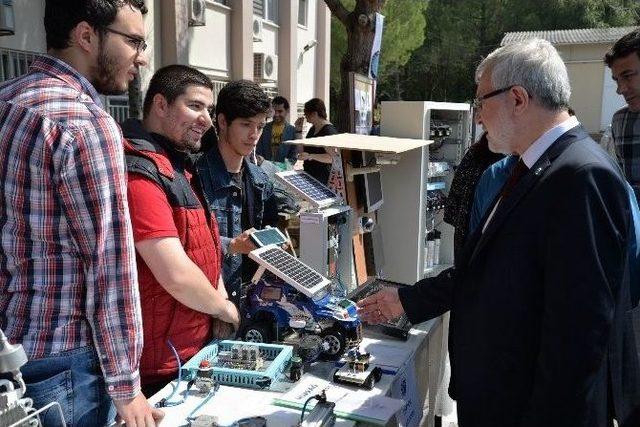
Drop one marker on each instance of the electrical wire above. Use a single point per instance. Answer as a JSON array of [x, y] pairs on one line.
[[165, 402], [205, 400], [322, 397]]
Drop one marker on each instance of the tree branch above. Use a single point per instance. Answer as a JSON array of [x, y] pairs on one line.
[[338, 10]]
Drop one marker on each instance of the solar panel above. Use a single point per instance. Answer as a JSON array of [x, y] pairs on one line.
[[308, 188], [268, 236], [290, 269]]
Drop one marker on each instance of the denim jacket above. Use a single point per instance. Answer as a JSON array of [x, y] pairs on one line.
[[224, 200]]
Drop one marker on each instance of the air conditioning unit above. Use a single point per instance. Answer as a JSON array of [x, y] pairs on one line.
[[265, 67], [197, 10], [7, 22], [257, 29]]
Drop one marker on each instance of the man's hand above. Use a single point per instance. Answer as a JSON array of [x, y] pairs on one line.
[[242, 243], [304, 156], [380, 307], [233, 314], [137, 412], [222, 329]]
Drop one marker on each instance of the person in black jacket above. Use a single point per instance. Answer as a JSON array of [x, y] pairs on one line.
[[540, 331]]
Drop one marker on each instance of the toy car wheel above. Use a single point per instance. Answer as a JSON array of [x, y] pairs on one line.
[[368, 383], [256, 332], [334, 343], [377, 374]]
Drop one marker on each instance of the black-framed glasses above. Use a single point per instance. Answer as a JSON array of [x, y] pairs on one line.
[[137, 42], [477, 102]]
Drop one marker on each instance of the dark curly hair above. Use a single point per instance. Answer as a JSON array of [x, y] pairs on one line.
[[241, 99], [625, 46], [172, 81], [62, 16]]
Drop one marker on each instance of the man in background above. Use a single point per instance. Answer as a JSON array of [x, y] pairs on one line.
[[270, 146], [624, 60]]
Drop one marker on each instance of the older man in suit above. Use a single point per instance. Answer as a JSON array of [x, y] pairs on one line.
[[540, 332]]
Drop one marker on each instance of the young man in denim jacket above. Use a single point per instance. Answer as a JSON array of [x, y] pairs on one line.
[[238, 192]]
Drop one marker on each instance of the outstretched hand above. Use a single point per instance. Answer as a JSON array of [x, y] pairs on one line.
[[380, 307], [242, 243], [137, 412]]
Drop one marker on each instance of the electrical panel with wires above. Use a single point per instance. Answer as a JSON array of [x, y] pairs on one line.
[[417, 242]]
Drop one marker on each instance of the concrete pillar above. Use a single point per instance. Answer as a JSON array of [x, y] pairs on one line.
[[175, 32], [288, 53], [323, 52], [241, 39]]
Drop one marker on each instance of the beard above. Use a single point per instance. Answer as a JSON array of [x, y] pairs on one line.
[[105, 74], [189, 144], [502, 140]]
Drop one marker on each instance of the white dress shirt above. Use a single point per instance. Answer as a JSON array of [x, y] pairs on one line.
[[537, 149]]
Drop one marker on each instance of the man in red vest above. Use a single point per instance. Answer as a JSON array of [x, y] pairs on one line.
[[184, 302]]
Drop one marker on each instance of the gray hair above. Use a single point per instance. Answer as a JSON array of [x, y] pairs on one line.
[[533, 64]]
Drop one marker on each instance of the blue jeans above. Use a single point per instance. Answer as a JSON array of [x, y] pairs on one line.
[[74, 379]]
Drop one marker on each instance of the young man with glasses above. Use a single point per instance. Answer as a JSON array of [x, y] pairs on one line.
[[68, 282], [624, 61]]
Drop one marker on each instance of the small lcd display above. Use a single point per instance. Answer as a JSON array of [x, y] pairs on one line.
[[268, 236]]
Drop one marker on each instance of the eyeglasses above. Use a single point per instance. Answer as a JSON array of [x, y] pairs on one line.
[[477, 102], [138, 43]]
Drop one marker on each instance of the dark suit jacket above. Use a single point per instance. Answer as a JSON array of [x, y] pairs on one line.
[[540, 331], [285, 151]]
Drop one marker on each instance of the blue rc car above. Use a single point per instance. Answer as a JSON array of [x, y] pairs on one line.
[[287, 295]]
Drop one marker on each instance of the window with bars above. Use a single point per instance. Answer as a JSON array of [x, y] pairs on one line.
[[14, 63], [266, 9], [271, 91], [217, 87], [302, 12], [117, 106]]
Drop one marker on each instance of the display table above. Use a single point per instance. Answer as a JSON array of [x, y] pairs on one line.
[[415, 363]]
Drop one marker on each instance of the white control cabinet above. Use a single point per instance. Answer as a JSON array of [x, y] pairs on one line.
[[410, 213]]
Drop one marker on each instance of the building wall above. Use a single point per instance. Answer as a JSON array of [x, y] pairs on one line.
[[592, 96], [586, 92], [152, 27], [223, 48], [210, 45], [306, 62], [29, 31]]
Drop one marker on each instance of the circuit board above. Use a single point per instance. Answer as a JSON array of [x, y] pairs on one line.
[[242, 364]]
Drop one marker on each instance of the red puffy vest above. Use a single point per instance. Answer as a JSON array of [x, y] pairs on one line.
[[163, 317]]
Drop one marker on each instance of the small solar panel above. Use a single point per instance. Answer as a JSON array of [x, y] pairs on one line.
[[290, 269], [308, 188], [268, 236]]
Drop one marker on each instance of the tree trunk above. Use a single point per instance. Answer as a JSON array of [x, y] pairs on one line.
[[360, 27]]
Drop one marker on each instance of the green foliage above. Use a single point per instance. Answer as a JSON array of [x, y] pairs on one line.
[[404, 27], [461, 32]]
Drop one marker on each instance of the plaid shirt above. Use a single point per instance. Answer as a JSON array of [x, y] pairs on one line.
[[625, 129], [67, 260]]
